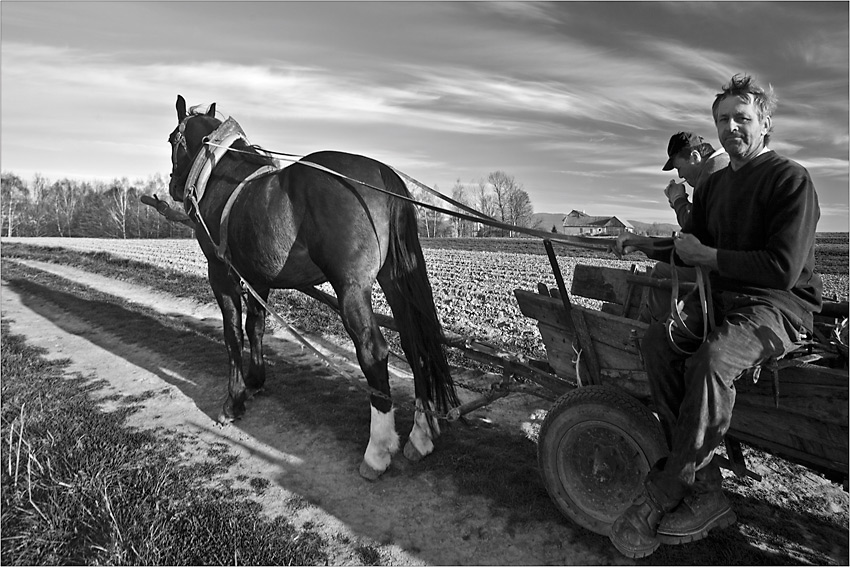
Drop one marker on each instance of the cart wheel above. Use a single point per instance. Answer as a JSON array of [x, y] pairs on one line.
[[596, 445]]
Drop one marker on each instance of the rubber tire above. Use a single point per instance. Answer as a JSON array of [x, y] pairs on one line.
[[595, 447]]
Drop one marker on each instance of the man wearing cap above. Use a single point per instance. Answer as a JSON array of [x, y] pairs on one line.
[[753, 229], [694, 160]]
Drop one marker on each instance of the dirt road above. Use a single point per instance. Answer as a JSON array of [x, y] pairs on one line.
[[416, 514]]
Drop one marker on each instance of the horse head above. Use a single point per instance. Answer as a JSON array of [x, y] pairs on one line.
[[186, 141]]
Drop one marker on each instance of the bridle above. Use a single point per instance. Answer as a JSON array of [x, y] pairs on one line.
[[179, 140]]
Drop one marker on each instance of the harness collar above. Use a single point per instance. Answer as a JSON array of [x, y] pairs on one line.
[[208, 157]]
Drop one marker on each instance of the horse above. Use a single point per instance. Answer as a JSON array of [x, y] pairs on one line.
[[301, 226]]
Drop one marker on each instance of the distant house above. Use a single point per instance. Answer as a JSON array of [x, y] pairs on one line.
[[583, 224]]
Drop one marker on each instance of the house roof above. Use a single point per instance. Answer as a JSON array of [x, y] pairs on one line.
[[580, 218]]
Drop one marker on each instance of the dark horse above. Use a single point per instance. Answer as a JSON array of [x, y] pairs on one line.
[[301, 226]]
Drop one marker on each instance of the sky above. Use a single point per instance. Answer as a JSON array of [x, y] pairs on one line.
[[575, 100]]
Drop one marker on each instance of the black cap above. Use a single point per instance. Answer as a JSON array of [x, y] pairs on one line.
[[679, 142]]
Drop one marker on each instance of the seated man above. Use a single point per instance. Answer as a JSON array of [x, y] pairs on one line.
[[694, 160], [753, 228]]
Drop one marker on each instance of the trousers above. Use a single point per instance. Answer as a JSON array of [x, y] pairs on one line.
[[657, 304], [694, 394]]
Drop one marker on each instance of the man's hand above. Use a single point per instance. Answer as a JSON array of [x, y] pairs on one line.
[[693, 252], [673, 191], [620, 249]]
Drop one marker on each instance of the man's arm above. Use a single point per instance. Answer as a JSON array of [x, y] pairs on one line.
[[678, 200], [683, 208]]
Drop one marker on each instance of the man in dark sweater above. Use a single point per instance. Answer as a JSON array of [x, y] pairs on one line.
[[753, 231], [694, 160]]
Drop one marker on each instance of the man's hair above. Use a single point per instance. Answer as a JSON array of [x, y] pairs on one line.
[[705, 149], [744, 86]]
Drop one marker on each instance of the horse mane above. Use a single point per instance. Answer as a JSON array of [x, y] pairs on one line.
[[252, 153]]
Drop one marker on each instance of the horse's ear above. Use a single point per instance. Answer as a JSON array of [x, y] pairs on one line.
[[211, 111], [181, 108]]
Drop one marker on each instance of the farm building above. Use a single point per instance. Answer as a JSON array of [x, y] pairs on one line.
[[580, 223]]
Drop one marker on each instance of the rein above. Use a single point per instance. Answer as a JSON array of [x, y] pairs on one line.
[[578, 241], [706, 305]]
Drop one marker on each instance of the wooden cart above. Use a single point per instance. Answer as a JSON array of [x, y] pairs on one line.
[[600, 438]]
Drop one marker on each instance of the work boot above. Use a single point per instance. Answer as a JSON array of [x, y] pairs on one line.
[[633, 533], [705, 509]]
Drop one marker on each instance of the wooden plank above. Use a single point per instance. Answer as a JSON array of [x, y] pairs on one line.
[[545, 309], [600, 282], [615, 359], [559, 350], [634, 382], [803, 440], [613, 337], [590, 359], [809, 391], [791, 453]]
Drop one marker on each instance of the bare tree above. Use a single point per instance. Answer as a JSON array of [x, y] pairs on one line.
[[462, 227], [37, 208], [520, 210], [503, 184], [65, 195], [511, 201], [119, 194], [484, 201], [13, 197]]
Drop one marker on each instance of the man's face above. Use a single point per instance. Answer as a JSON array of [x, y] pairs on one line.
[[739, 128], [687, 169]]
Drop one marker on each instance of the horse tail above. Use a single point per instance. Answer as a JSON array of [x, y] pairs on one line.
[[415, 313]]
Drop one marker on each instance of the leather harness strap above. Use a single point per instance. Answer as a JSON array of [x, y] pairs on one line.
[[221, 249], [706, 305]]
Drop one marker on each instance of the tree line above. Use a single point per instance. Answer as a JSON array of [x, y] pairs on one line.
[[113, 209], [500, 196]]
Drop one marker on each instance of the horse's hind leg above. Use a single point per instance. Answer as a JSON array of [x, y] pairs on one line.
[[227, 295], [426, 427], [255, 327], [372, 352]]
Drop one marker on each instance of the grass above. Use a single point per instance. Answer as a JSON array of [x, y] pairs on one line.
[[79, 487]]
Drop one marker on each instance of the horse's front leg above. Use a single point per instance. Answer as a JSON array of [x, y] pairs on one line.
[[255, 327], [227, 295], [372, 353]]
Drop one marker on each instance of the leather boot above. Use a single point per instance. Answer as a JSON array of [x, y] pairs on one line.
[[633, 533], [705, 509]]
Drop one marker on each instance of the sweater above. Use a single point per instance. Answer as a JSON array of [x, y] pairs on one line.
[[762, 219]]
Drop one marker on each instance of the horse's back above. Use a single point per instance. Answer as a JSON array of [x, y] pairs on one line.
[[355, 167]]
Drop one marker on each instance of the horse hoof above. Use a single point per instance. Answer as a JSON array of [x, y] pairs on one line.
[[411, 453], [230, 412], [255, 383], [369, 473], [224, 419]]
